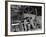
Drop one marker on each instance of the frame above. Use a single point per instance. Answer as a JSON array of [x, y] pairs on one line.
[[28, 10]]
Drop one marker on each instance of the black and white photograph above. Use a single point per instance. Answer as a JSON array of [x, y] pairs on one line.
[[25, 18]]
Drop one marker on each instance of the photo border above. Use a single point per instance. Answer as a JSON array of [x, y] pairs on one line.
[[6, 18]]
